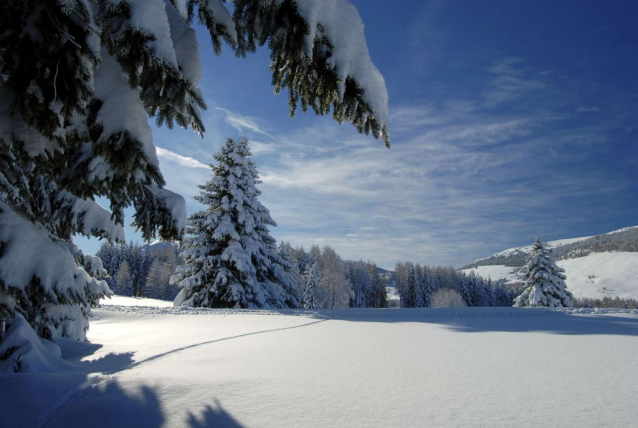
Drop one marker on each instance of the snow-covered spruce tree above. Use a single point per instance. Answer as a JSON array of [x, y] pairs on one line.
[[78, 81], [419, 286], [289, 255], [379, 293], [311, 280], [230, 259], [544, 281]]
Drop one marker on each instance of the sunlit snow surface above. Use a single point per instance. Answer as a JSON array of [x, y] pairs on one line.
[[163, 366], [134, 301]]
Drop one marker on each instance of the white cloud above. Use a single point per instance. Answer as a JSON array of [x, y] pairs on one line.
[[463, 179], [454, 186], [585, 109], [181, 160], [242, 123], [509, 82]]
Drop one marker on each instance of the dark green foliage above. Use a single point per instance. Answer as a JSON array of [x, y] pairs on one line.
[[218, 30], [311, 81], [166, 93], [38, 73]]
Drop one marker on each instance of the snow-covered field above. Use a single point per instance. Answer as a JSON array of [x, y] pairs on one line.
[[603, 274], [135, 301], [596, 275], [160, 366]]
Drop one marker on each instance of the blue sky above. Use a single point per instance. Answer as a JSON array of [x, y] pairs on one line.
[[509, 120]]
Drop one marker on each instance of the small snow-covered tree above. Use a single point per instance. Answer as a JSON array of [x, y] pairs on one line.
[[230, 259], [311, 281], [447, 298], [544, 281]]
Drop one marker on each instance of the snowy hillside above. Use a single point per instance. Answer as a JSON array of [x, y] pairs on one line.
[[497, 367], [596, 275], [603, 274], [621, 240], [495, 272], [596, 266], [552, 245]]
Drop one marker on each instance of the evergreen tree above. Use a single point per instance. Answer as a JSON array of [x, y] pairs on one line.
[[304, 260], [230, 259], [78, 81], [291, 267], [379, 293], [136, 263], [466, 290], [433, 285], [544, 281], [311, 280], [420, 283]]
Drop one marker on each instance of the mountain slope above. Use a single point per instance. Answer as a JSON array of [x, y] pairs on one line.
[[624, 240], [596, 266]]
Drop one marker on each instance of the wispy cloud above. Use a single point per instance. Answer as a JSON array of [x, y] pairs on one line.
[[463, 179], [243, 123], [509, 81], [586, 109], [457, 185], [181, 160]]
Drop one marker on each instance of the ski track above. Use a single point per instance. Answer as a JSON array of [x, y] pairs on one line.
[[77, 393]]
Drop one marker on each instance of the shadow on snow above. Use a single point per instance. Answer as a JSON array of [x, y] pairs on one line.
[[88, 394], [513, 320]]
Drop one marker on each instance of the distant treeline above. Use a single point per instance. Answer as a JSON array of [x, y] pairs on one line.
[[324, 279], [423, 286], [606, 302], [141, 270]]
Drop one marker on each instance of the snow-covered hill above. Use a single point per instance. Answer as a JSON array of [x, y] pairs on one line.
[[596, 275], [592, 274], [462, 367], [553, 245]]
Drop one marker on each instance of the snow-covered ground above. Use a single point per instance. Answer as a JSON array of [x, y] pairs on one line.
[[153, 366], [596, 275], [603, 274], [495, 272], [135, 301]]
